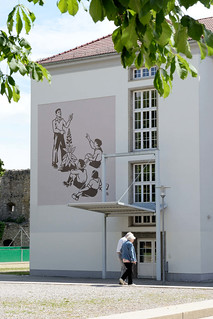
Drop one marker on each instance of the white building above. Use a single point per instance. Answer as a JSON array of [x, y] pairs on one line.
[[145, 141]]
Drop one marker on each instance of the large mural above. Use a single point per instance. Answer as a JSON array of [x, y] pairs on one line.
[[72, 136]]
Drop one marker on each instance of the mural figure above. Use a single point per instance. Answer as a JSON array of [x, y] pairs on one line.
[[69, 158], [91, 188], [94, 159], [58, 126], [78, 176]]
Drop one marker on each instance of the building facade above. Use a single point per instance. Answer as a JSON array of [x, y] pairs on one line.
[[103, 142]]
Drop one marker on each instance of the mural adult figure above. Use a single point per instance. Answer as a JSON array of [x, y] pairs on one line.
[[129, 258], [94, 159], [121, 241], [58, 126], [92, 187], [78, 176]]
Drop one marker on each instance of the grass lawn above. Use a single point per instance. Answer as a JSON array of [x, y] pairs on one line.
[[15, 268]]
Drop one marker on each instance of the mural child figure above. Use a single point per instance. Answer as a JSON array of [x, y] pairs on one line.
[[77, 176], [58, 126], [94, 159], [92, 187]]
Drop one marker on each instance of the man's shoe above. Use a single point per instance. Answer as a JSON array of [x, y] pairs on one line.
[[132, 284]]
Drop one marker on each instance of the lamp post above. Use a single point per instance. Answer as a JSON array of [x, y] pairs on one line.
[[163, 195]]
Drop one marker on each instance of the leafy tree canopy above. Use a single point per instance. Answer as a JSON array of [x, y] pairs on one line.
[[2, 170], [149, 32]]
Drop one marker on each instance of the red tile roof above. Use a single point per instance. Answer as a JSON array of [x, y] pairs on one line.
[[99, 47]]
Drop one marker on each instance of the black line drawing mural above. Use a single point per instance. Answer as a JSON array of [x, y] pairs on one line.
[[69, 159], [65, 160], [94, 159], [78, 176], [58, 126], [92, 187]]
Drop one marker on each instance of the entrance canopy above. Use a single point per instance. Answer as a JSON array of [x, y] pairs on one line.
[[114, 208]]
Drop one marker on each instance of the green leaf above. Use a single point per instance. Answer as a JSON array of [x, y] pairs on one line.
[[96, 10], [16, 93], [116, 38], [62, 5], [181, 41], [129, 36], [203, 49], [19, 24], [127, 57], [181, 68], [27, 21], [72, 7], [110, 9], [13, 65], [195, 29], [158, 83], [208, 37], [165, 35], [45, 73], [11, 80], [139, 60], [187, 3], [10, 20]]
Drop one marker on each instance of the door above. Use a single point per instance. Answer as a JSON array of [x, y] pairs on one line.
[[146, 258]]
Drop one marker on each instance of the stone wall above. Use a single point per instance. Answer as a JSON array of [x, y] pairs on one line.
[[15, 206]]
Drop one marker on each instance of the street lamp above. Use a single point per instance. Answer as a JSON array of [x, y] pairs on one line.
[[163, 195]]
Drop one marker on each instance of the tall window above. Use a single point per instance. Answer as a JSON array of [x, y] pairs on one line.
[[145, 119], [144, 183]]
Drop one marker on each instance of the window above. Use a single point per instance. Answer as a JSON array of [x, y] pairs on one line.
[[144, 119], [144, 220], [144, 184], [144, 72]]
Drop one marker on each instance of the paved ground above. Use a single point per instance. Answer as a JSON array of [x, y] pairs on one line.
[[30, 297]]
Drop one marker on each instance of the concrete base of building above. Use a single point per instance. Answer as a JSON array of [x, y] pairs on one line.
[[73, 273], [189, 277]]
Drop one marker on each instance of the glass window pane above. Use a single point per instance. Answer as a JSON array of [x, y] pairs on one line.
[[137, 103], [153, 172], [138, 173], [154, 98], [137, 73], [138, 140], [145, 252], [154, 139], [145, 72], [154, 118], [153, 71], [146, 193], [146, 219], [146, 173], [137, 120], [153, 193], [145, 140], [138, 220], [137, 193], [145, 119], [145, 99]]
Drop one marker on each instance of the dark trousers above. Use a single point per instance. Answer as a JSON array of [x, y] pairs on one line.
[[128, 273]]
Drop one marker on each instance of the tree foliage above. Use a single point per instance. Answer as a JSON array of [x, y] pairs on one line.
[[149, 32], [2, 170]]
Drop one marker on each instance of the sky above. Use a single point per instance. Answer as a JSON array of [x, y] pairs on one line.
[[52, 33]]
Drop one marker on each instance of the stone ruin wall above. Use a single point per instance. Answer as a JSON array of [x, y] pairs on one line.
[[15, 206]]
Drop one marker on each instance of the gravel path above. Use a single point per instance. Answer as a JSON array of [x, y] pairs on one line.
[[79, 300]]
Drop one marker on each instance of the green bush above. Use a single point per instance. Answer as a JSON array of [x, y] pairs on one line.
[[2, 226]]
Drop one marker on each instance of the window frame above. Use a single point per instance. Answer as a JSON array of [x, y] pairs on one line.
[[144, 183], [145, 119]]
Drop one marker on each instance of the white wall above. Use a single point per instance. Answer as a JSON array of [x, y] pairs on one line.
[[206, 167]]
